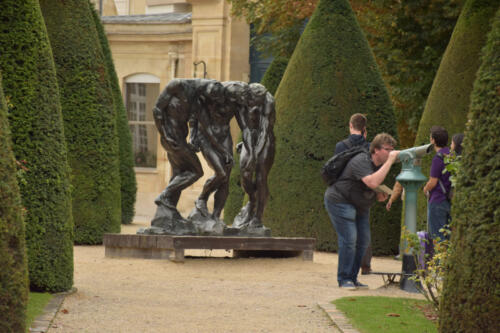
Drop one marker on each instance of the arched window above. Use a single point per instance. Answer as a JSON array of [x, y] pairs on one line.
[[141, 92]]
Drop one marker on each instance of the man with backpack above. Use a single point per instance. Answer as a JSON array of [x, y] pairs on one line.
[[357, 137], [348, 200], [438, 187]]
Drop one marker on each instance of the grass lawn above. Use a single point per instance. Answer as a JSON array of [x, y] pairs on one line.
[[36, 303], [385, 314]]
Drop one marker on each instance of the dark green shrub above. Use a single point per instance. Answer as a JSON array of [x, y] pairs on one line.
[[89, 118], [274, 73], [449, 98], [30, 86], [331, 75], [14, 272], [127, 174], [408, 39], [471, 293]]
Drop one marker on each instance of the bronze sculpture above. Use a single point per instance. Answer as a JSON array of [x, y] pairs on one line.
[[257, 154], [208, 106]]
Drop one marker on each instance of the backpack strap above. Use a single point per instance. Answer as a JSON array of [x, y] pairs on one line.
[[441, 156], [442, 186]]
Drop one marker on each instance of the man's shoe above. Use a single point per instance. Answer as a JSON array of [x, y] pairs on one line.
[[348, 285], [360, 285]]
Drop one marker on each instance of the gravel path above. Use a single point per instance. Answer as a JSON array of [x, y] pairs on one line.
[[210, 294]]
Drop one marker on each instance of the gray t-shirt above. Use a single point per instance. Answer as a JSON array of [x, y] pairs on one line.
[[350, 188]]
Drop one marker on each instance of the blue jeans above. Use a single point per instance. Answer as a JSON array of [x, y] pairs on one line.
[[438, 215], [353, 231]]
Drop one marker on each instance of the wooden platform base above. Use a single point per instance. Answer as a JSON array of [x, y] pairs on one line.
[[172, 247]]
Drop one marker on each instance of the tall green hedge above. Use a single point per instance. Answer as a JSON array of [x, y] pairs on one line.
[[331, 75], [30, 86], [471, 294], [89, 118], [449, 98], [274, 73], [128, 182], [14, 272]]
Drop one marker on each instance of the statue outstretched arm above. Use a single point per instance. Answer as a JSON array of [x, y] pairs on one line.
[[194, 139], [245, 132], [173, 89]]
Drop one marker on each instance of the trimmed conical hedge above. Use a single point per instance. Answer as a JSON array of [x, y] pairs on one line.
[[449, 98], [128, 182], [331, 75], [30, 86], [89, 118], [273, 75], [14, 272], [471, 296]]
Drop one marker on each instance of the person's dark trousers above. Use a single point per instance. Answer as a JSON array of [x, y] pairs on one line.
[[366, 266], [353, 235], [438, 215]]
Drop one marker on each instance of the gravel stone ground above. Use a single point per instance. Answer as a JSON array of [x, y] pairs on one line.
[[213, 293]]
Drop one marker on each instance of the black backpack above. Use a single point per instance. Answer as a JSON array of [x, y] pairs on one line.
[[331, 171]]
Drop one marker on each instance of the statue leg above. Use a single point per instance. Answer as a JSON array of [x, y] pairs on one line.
[[264, 165], [216, 163], [222, 191], [186, 169], [221, 195]]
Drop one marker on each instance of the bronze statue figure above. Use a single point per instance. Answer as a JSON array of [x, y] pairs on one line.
[[175, 107], [216, 144], [257, 153], [204, 108]]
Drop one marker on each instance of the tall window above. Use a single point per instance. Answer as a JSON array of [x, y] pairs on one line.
[[140, 99]]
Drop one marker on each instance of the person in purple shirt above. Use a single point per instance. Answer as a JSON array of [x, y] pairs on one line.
[[436, 189]]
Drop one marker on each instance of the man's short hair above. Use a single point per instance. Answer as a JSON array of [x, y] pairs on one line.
[[440, 136], [380, 140], [358, 121]]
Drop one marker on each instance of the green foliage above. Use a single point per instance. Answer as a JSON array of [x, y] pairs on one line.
[[409, 38], [274, 73], [449, 98], [89, 118], [430, 271], [331, 75], [127, 174], [277, 24], [14, 272], [471, 294], [38, 138], [452, 164], [386, 314]]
